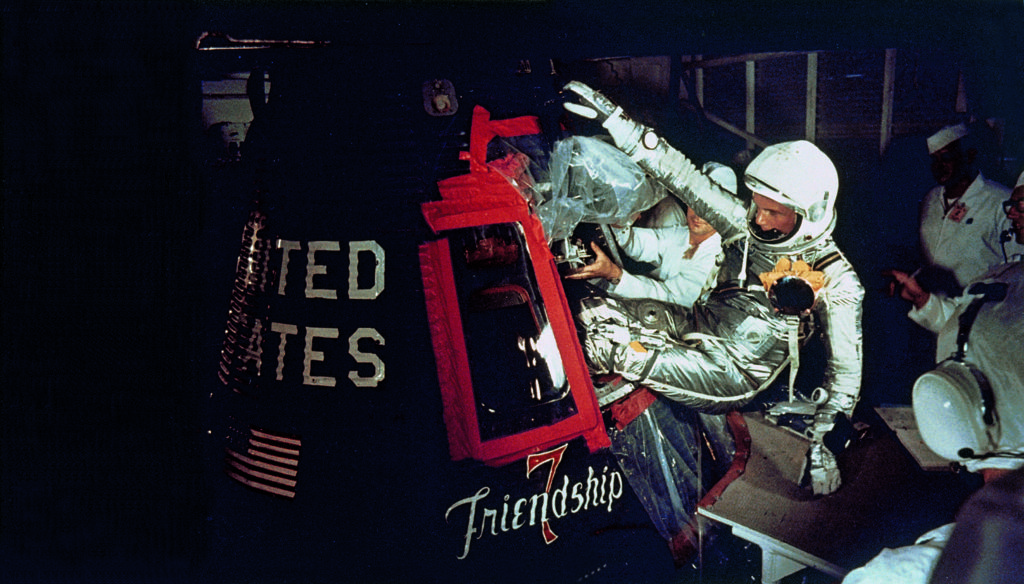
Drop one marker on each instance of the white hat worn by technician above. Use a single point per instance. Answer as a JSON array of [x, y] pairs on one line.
[[963, 234]]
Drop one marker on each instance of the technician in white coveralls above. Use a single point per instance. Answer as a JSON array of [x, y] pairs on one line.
[[684, 256], [970, 409], [962, 223]]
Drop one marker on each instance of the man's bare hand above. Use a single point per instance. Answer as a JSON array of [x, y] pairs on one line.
[[602, 267], [907, 287]]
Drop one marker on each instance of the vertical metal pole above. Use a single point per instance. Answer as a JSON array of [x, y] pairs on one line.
[[811, 107], [699, 82], [751, 90], [888, 92]]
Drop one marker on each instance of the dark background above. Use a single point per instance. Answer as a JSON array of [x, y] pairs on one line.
[[120, 236]]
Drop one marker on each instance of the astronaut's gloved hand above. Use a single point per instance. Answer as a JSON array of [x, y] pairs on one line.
[[626, 133], [593, 105]]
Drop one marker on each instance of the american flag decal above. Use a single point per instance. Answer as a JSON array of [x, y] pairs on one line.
[[267, 462]]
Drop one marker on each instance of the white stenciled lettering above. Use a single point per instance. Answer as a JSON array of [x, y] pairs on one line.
[[284, 330], [313, 268], [318, 265], [354, 291], [286, 246], [311, 355], [360, 357], [540, 509]]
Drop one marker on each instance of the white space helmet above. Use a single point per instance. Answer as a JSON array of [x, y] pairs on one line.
[[802, 177], [954, 409], [721, 175]]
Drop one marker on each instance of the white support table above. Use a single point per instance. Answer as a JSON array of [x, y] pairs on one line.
[[833, 534], [778, 559]]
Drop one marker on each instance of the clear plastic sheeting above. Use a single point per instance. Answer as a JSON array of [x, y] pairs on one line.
[[661, 454], [720, 442], [592, 182], [523, 161]]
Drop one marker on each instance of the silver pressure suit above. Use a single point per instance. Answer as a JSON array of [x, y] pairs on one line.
[[734, 342], [718, 357], [746, 340]]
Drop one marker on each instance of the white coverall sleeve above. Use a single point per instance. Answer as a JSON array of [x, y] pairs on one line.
[[649, 245], [935, 313], [1000, 224], [912, 564], [681, 287]]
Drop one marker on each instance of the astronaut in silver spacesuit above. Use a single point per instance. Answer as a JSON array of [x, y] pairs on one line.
[[740, 335]]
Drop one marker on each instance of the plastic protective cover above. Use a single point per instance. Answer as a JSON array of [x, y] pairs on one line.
[[671, 456], [592, 181]]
